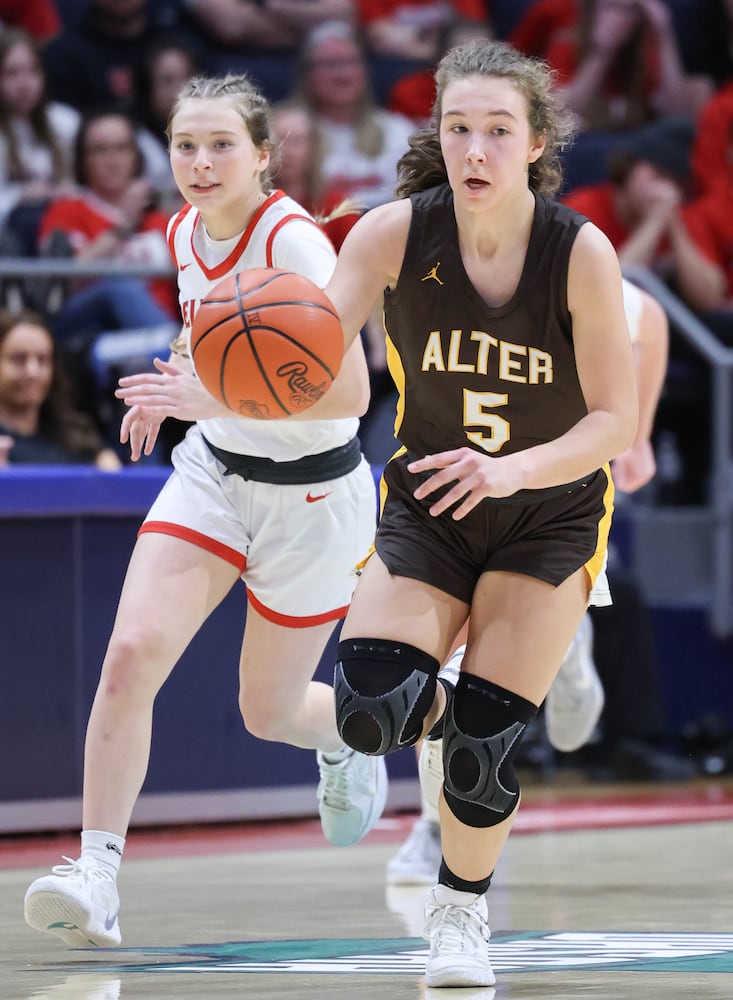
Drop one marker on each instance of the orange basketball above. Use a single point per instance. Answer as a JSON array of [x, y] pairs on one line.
[[267, 342]]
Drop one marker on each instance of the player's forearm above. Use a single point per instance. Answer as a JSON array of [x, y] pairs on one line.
[[348, 395]]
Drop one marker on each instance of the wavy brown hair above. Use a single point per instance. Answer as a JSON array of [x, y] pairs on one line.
[[423, 166]]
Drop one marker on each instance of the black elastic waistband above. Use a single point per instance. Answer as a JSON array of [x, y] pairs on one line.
[[310, 469]]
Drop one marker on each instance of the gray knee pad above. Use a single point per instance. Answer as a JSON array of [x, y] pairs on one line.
[[483, 729], [383, 691]]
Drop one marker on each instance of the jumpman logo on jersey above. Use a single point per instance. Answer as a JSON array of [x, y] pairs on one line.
[[433, 273]]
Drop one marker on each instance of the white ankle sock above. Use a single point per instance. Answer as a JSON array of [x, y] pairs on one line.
[[105, 848], [445, 895]]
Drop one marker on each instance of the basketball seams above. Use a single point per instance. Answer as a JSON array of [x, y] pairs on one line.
[[292, 347], [253, 349], [246, 330], [295, 342], [267, 281], [222, 375]]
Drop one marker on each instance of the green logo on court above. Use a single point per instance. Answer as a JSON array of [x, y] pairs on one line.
[[531, 951]]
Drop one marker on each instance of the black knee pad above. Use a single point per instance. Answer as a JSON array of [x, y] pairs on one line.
[[383, 691], [483, 729]]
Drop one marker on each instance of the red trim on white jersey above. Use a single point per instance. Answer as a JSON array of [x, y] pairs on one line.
[[173, 228], [222, 269], [278, 226]]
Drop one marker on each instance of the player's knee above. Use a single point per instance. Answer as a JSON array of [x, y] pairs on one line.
[[126, 672], [383, 691], [265, 720], [484, 726]]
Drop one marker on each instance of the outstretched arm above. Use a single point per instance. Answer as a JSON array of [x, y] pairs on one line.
[[370, 259]]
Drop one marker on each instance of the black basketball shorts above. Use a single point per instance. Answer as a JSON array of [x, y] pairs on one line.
[[549, 539]]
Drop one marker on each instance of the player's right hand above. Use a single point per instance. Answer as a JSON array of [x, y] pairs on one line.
[[170, 392]]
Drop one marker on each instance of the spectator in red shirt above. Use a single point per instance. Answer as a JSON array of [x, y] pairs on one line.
[[646, 212], [617, 61], [711, 148], [704, 274], [638, 208]]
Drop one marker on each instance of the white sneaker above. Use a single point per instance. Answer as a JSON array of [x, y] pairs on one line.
[[575, 701], [457, 928], [352, 794], [77, 903], [418, 860]]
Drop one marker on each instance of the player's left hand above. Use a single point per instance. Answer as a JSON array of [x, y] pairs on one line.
[[634, 468], [171, 392], [141, 430], [474, 477]]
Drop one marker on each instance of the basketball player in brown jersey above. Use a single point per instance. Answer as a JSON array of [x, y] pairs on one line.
[[574, 704], [508, 342]]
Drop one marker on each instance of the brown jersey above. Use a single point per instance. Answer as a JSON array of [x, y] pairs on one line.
[[495, 379]]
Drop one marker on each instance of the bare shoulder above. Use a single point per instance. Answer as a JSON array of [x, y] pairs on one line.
[[369, 260], [379, 238], [594, 273]]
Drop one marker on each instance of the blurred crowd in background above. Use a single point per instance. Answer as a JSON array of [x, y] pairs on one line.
[[86, 87]]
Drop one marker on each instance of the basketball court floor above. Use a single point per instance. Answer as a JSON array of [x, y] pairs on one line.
[[603, 892]]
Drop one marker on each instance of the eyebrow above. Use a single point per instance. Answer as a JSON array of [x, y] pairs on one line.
[[498, 112], [220, 131]]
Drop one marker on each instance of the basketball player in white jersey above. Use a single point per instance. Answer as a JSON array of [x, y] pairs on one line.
[[288, 506], [575, 701]]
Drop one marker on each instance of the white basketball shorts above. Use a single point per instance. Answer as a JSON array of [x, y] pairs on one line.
[[296, 547]]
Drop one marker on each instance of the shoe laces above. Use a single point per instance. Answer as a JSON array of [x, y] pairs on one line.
[[82, 869], [337, 782], [457, 927]]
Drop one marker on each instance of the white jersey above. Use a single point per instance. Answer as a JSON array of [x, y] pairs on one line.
[[280, 234]]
